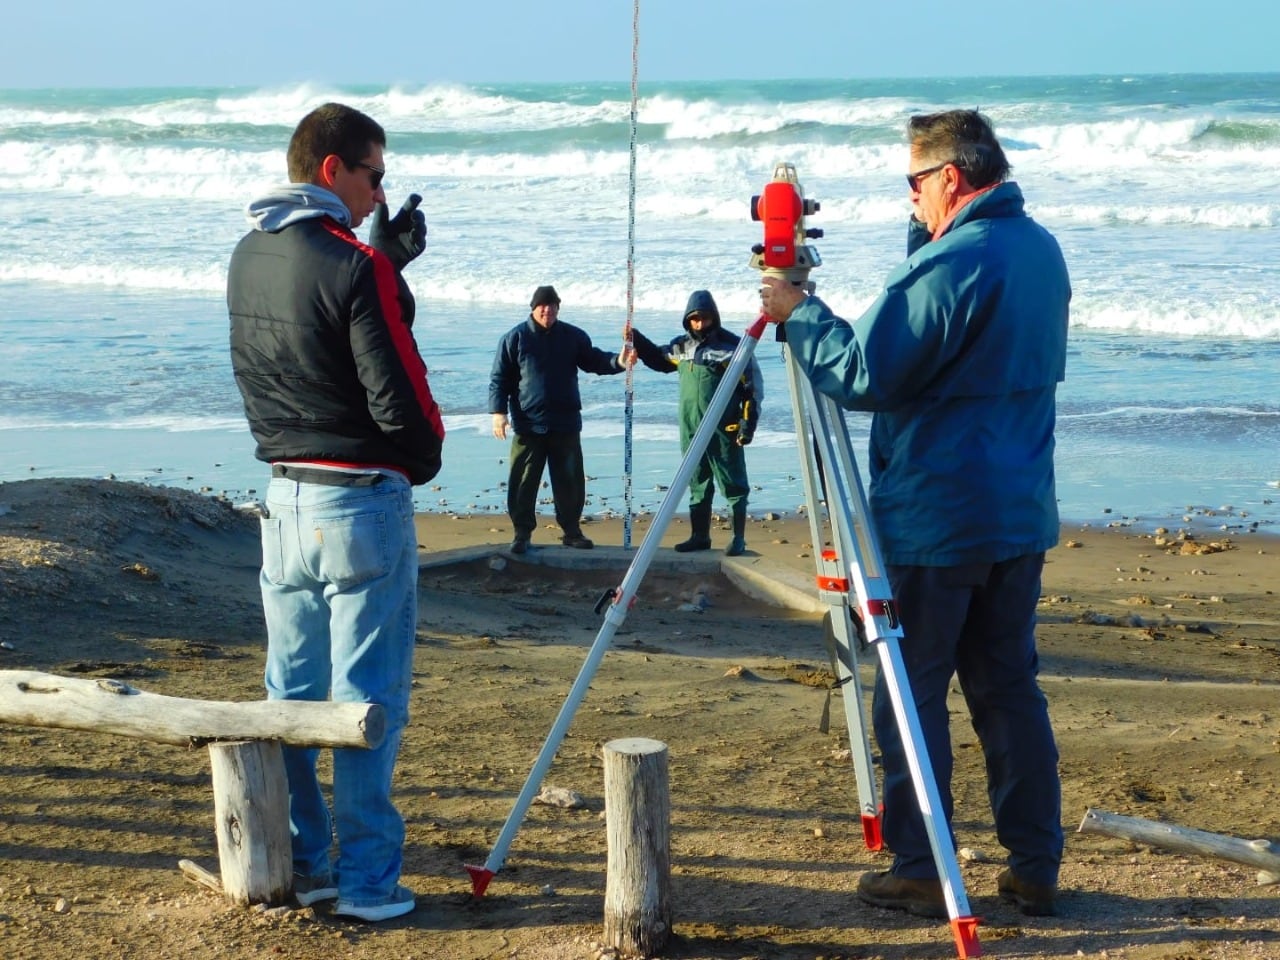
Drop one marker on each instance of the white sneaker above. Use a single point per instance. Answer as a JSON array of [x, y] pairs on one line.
[[311, 890], [398, 904]]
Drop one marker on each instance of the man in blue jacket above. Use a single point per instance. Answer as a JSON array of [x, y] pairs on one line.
[[959, 360], [535, 376]]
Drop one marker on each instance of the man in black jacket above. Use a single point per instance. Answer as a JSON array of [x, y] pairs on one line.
[[337, 398], [535, 375]]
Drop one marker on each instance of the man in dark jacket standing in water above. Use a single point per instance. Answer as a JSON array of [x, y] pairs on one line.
[[701, 356], [337, 398], [959, 360], [535, 376]]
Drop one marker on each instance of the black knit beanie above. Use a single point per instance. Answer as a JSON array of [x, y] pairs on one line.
[[543, 296]]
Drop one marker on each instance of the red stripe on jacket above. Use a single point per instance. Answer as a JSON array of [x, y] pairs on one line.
[[384, 276]]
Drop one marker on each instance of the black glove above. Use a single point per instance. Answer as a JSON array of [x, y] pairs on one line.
[[745, 432], [402, 237], [649, 353]]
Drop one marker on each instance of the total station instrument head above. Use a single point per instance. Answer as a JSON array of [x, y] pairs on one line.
[[782, 208]]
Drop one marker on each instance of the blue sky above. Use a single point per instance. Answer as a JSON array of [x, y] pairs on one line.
[[78, 43]]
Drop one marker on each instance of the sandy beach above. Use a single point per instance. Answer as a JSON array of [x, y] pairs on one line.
[[1159, 659]]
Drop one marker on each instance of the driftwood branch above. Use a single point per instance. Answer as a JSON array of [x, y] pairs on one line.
[[112, 706], [1262, 854], [198, 874]]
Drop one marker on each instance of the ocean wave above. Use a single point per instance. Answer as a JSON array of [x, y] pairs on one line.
[[1146, 412], [706, 119], [1157, 190], [211, 278], [1122, 136], [1028, 113], [1249, 317], [160, 422], [114, 275], [147, 172], [400, 109], [843, 178], [1238, 133], [599, 304], [1202, 214]]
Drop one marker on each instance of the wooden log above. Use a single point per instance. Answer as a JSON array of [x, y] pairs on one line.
[[111, 706], [637, 898], [251, 820], [1262, 854]]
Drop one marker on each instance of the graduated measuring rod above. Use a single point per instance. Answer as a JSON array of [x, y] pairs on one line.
[[831, 478], [617, 603]]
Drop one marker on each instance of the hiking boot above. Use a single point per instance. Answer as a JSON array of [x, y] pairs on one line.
[[921, 897], [311, 890], [577, 541], [1033, 899], [519, 545], [398, 904]]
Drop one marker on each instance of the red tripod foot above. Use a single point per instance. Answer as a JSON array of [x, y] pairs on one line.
[[965, 930], [480, 877], [871, 834]]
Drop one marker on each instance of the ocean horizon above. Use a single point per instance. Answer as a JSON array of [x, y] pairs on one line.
[[119, 209]]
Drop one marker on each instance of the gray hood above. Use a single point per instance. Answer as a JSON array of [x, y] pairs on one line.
[[293, 202]]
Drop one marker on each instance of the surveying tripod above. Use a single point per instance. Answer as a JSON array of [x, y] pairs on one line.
[[831, 478]]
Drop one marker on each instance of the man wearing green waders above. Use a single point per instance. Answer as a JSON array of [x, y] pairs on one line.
[[702, 355]]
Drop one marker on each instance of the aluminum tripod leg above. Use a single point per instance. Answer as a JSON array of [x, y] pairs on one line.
[[833, 590], [616, 614], [831, 474]]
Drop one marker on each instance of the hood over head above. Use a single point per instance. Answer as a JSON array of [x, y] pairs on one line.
[[701, 302], [293, 202]]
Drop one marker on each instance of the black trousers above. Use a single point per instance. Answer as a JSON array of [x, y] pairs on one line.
[[974, 622], [561, 454]]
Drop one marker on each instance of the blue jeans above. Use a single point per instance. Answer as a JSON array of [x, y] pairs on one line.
[[339, 590], [977, 622]]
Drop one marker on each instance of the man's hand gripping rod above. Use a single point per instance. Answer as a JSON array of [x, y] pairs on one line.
[[831, 477]]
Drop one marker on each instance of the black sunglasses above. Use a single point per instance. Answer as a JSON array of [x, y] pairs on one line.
[[375, 181], [913, 179]]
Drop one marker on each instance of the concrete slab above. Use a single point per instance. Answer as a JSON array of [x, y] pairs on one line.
[[755, 577], [773, 584]]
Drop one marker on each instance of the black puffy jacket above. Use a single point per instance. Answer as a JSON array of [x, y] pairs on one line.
[[323, 353]]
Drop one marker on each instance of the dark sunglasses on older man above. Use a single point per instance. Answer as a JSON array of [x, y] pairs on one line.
[[914, 179]]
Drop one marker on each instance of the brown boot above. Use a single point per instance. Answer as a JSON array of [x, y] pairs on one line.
[[921, 897], [1033, 899]]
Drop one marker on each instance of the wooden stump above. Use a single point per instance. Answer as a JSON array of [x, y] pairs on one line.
[[251, 819], [637, 898]]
